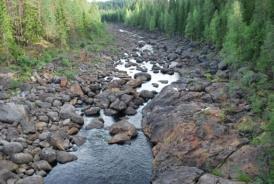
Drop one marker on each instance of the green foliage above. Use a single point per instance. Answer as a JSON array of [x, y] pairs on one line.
[[244, 177]]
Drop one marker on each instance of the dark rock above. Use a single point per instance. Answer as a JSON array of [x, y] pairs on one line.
[[110, 112], [142, 76], [118, 105], [155, 85], [78, 140], [54, 116], [126, 98], [130, 111], [68, 112], [93, 111], [65, 157], [145, 94], [222, 65], [172, 57]]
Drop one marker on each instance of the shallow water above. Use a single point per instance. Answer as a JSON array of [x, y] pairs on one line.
[[100, 163]]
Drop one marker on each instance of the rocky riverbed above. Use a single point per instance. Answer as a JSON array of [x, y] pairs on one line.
[[173, 90]]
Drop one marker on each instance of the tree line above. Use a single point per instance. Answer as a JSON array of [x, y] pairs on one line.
[[26, 22]]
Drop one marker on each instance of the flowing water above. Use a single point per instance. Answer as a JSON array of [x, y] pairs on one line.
[[100, 163]]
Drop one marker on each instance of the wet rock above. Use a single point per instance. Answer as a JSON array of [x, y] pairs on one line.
[[8, 165], [73, 131], [68, 112], [7, 176], [178, 175], [42, 165], [122, 131], [155, 85], [172, 57], [31, 180], [65, 157], [222, 65], [95, 124], [130, 111], [21, 158], [48, 154], [145, 94], [118, 105], [110, 112], [142, 76], [78, 140], [211, 179], [12, 147], [163, 81], [93, 111], [76, 89]]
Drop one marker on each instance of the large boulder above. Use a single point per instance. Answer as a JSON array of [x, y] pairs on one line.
[[143, 76], [7, 176], [68, 112], [48, 154], [122, 132], [12, 147], [11, 112]]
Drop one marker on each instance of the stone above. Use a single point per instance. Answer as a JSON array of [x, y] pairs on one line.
[[58, 140], [211, 179], [12, 147], [130, 111], [31, 180], [48, 154], [21, 158], [68, 112], [143, 76], [93, 111], [134, 83], [8, 165], [178, 175], [7, 176], [76, 89], [118, 105], [145, 94], [63, 82], [73, 131], [172, 57], [53, 116], [122, 131], [65, 157], [95, 124], [78, 140], [110, 112], [42, 165], [11, 112]]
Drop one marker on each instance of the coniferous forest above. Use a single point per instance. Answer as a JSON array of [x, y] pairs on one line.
[[185, 87]]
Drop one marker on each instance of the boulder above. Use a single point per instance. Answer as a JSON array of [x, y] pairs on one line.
[[59, 140], [143, 76], [11, 112], [76, 89], [93, 111], [7, 176], [178, 175], [8, 165], [65, 157], [134, 83], [122, 131], [42, 165], [145, 94], [22, 158], [48, 154], [12, 147], [95, 124], [31, 180], [118, 105], [68, 112]]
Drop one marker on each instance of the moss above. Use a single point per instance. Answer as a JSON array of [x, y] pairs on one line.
[[217, 172], [244, 177]]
